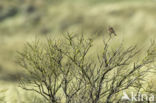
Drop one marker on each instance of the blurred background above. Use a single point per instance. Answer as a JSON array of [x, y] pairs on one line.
[[22, 20]]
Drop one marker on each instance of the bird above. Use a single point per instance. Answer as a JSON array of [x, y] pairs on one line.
[[111, 31]]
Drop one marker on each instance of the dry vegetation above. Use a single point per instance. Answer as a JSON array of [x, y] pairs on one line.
[[23, 20], [61, 71]]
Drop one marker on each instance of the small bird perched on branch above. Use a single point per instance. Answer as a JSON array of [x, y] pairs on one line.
[[111, 31]]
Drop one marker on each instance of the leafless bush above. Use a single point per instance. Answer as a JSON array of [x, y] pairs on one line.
[[62, 70]]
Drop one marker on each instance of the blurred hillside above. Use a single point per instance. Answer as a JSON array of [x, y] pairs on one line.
[[22, 20]]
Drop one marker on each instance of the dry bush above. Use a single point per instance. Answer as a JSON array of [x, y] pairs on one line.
[[62, 71]]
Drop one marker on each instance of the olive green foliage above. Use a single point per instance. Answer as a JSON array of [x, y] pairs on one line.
[[2, 95], [32, 98], [63, 71], [21, 20]]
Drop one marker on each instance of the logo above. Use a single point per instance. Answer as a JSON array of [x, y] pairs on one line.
[[125, 96], [137, 97]]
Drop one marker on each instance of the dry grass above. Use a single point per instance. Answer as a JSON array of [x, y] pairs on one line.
[[134, 22]]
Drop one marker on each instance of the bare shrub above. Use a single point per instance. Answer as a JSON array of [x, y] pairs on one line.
[[62, 70]]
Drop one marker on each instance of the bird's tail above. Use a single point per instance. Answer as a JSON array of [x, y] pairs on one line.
[[115, 34]]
